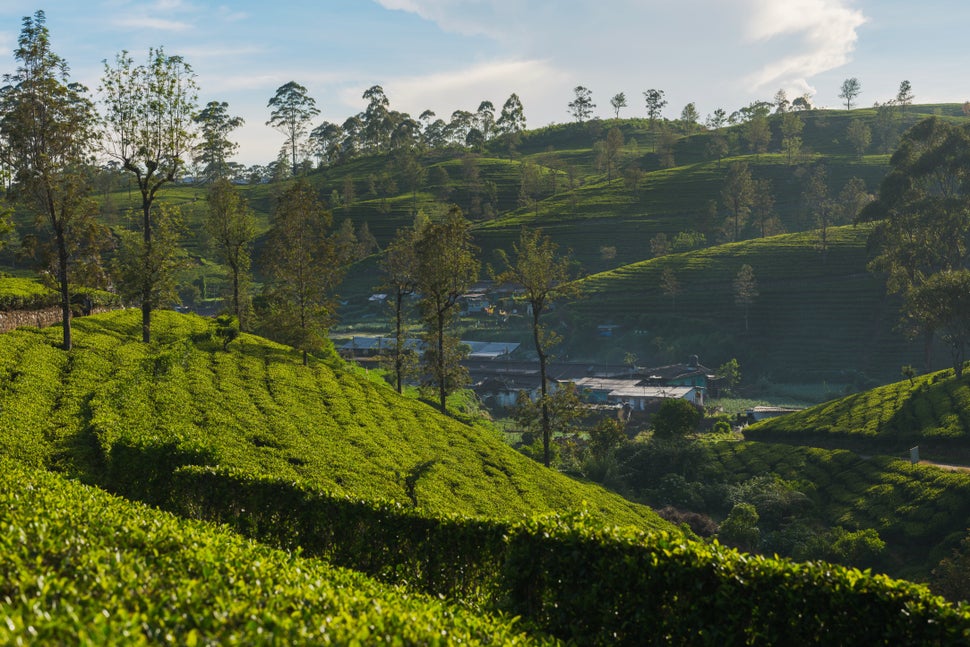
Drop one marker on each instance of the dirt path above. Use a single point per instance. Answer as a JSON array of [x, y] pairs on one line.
[[952, 468]]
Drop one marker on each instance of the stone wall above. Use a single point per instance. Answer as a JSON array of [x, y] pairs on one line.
[[10, 319]]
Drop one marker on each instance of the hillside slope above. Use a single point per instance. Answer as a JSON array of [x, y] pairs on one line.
[[815, 316], [932, 411], [118, 413]]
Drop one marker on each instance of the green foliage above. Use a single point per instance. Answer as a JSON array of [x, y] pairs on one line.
[[675, 419], [929, 409], [127, 416], [79, 566], [741, 527], [950, 577], [301, 456]]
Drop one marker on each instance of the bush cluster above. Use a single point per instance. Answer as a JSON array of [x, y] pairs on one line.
[[578, 579]]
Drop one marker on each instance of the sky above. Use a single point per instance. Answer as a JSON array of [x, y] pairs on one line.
[[447, 55]]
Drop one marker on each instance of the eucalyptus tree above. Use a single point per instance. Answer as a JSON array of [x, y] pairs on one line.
[[300, 260], [581, 107], [231, 226], [49, 132], [689, 118], [905, 95], [618, 101], [399, 267], [215, 148], [511, 121], [738, 195], [292, 110], [656, 102], [326, 141], [923, 210], [485, 119], [745, 290], [376, 119], [446, 269], [850, 89], [149, 130], [544, 276]]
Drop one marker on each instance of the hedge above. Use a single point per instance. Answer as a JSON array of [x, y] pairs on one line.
[[578, 579]]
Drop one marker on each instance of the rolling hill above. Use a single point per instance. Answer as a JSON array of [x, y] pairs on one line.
[[125, 416]]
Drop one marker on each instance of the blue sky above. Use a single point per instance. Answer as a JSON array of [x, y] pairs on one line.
[[451, 54]]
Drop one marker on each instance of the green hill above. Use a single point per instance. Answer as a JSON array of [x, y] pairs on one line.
[[816, 316], [328, 461], [932, 411], [124, 415]]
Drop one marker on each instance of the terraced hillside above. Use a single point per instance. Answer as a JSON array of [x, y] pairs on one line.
[[815, 317], [932, 411], [325, 460], [124, 415]]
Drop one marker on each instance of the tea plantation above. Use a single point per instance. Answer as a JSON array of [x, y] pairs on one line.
[[332, 465]]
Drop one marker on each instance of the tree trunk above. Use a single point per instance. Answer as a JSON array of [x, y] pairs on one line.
[[64, 290], [442, 390], [146, 295], [398, 341], [543, 390]]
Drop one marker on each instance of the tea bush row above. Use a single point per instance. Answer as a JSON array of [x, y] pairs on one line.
[[78, 566], [578, 579]]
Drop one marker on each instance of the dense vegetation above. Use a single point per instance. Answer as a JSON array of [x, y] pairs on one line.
[[326, 460], [250, 437], [82, 567], [126, 415], [929, 410]]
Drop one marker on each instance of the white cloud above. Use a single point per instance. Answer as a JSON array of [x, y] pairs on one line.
[[152, 23], [826, 32], [483, 17]]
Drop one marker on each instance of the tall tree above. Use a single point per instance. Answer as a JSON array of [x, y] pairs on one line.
[[655, 104], [851, 88], [148, 269], [609, 152], [300, 260], [511, 121], [215, 148], [763, 208], [148, 118], [581, 107], [485, 119], [745, 290], [670, 285], [738, 195], [905, 95], [688, 119], [859, 135], [446, 269], [923, 209], [544, 276], [292, 110], [618, 101], [399, 267], [791, 131], [782, 104], [377, 119], [48, 131], [942, 305], [822, 209], [757, 131], [231, 226]]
